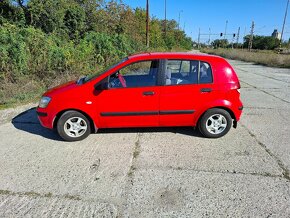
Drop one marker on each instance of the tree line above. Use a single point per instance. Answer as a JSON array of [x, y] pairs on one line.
[[259, 42], [45, 42], [43, 37]]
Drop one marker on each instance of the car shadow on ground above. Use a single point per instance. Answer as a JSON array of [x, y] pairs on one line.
[[27, 121]]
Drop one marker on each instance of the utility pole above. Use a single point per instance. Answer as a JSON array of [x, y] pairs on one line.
[[226, 30], [209, 36], [244, 37], [198, 40], [238, 36], [165, 20], [179, 19], [285, 17], [147, 23], [251, 36]]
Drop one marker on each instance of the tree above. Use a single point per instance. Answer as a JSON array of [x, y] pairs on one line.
[[11, 13], [74, 21], [262, 42], [220, 43]]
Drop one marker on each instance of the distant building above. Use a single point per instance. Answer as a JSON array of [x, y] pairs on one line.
[[276, 34]]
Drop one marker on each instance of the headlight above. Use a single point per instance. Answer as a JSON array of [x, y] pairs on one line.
[[44, 102]]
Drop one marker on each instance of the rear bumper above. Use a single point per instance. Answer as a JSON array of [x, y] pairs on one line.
[[238, 112]]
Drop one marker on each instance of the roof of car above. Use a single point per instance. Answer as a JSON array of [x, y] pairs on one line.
[[171, 55]]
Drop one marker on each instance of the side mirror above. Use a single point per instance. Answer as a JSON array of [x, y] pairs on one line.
[[103, 85]]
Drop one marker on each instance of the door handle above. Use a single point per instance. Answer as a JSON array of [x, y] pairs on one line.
[[148, 93], [205, 90]]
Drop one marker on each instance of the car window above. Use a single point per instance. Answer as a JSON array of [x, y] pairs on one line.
[[139, 74], [205, 75], [181, 72], [95, 75]]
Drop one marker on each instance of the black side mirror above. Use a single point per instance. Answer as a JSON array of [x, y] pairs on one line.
[[103, 85]]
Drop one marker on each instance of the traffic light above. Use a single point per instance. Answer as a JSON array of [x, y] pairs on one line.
[[234, 35], [221, 34]]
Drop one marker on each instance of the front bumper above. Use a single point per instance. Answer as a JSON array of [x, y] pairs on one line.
[[44, 118]]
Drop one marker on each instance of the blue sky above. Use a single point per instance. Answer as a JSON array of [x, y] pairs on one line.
[[267, 15]]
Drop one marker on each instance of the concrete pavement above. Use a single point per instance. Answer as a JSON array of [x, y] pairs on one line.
[[157, 172]]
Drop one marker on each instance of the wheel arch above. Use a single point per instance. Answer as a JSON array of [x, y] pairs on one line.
[[219, 107], [60, 113]]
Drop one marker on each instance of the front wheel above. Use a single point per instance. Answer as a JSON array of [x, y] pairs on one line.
[[215, 123], [73, 126]]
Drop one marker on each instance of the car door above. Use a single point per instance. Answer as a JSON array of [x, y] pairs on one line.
[[132, 97], [186, 89]]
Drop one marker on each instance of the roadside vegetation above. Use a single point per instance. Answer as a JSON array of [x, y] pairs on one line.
[[267, 58], [265, 50], [44, 43]]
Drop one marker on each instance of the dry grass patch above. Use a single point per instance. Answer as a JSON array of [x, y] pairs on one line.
[[267, 58]]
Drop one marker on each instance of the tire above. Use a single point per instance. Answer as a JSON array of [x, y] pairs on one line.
[[73, 126], [215, 123]]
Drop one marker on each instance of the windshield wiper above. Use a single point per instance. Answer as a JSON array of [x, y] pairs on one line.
[[81, 80]]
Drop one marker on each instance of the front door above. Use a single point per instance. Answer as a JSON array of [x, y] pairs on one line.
[[132, 98]]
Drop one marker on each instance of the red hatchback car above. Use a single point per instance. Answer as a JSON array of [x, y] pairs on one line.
[[147, 90]]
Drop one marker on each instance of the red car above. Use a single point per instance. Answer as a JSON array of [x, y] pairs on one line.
[[147, 90]]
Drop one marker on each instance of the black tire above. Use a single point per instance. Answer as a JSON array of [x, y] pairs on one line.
[[63, 128], [214, 114]]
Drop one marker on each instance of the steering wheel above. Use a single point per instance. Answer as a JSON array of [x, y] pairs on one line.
[[122, 80]]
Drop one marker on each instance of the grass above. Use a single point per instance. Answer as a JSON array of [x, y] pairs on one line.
[[266, 58], [28, 89]]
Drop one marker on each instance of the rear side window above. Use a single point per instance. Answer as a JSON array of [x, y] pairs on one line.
[[182, 72], [205, 73]]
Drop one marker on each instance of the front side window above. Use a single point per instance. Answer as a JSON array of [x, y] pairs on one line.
[[182, 72], [139, 74]]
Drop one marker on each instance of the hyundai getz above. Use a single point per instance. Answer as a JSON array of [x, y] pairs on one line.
[[147, 90]]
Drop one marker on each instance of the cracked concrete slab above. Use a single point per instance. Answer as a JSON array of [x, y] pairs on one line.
[[27, 206], [228, 154], [187, 193]]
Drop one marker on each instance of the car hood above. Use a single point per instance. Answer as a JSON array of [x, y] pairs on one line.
[[61, 88]]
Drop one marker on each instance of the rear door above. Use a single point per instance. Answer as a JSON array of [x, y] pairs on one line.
[[187, 86], [132, 98]]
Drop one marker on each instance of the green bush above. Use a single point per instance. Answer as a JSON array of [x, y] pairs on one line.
[[43, 43]]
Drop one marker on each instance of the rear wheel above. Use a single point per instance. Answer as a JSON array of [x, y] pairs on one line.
[[215, 123], [73, 126]]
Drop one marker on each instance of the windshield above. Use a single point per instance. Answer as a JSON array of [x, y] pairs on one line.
[[95, 75]]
